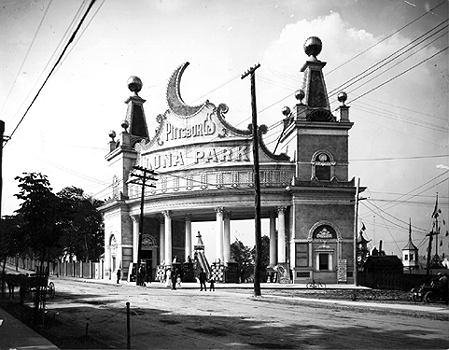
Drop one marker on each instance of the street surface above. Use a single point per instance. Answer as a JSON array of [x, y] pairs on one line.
[[189, 319]]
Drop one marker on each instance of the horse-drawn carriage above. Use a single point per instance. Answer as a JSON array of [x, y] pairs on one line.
[[36, 284]]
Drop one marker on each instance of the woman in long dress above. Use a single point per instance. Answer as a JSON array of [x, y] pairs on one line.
[[168, 278]]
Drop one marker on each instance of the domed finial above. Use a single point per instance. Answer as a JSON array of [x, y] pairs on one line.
[[299, 95], [313, 46], [342, 97], [286, 111], [134, 84], [125, 125], [112, 135]]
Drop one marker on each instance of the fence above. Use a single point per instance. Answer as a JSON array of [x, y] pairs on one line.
[[82, 269], [403, 281]]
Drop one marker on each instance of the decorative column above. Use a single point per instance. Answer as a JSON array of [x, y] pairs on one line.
[[135, 237], [107, 261], [161, 240], [227, 238], [272, 238], [168, 238], [281, 235], [188, 237], [219, 219]]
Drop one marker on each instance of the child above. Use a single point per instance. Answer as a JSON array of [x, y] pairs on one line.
[[212, 284]]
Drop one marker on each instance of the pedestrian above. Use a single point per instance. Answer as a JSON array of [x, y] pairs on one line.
[[174, 276], [168, 278], [212, 284], [178, 281], [119, 274], [148, 277], [203, 280], [141, 276]]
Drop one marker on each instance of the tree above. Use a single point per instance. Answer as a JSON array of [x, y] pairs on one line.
[[244, 259], [40, 212], [265, 257], [83, 225], [10, 241]]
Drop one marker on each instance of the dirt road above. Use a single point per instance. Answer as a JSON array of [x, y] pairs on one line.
[[89, 315]]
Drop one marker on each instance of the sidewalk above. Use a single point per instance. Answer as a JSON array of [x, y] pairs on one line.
[[15, 335]]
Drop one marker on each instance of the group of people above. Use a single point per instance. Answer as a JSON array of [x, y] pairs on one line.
[[203, 279], [172, 279]]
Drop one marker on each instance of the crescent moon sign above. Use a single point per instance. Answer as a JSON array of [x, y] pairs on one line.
[[174, 99]]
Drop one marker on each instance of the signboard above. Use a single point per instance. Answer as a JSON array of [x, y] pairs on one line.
[[342, 270]]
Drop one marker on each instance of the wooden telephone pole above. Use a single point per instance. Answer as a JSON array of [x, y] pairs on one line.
[[142, 178], [258, 262], [435, 232]]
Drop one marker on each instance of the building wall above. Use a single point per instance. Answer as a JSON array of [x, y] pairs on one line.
[[336, 145]]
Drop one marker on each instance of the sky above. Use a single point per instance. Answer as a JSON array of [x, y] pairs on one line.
[[398, 146]]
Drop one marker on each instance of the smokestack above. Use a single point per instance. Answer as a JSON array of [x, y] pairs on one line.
[[380, 247]]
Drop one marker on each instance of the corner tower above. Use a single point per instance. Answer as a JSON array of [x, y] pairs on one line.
[[322, 214], [121, 158]]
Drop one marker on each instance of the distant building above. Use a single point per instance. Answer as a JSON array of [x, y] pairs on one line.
[[410, 258], [204, 167], [383, 265]]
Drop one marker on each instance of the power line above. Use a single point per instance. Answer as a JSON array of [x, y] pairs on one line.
[[398, 158], [382, 63], [385, 38], [49, 60], [26, 56], [54, 67], [400, 74]]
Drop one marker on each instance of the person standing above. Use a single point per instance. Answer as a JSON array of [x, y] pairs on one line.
[[212, 284], [203, 280], [174, 276], [168, 277], [119, 275]]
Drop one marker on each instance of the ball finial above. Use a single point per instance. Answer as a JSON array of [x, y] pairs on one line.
[[286, 111], [299, 95], [112, 135], [313, 46], [342, 97], [134, 84], [125, 125]]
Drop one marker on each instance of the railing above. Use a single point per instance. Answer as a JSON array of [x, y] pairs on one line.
[[81, 269]]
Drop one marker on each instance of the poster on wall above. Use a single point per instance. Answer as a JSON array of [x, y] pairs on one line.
[[342, 270]]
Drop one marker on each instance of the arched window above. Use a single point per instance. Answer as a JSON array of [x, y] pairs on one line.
[[322, 166]]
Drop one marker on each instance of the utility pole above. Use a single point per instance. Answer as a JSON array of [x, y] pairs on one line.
[[435, 232], [142, 178], [2, 131], [258, 262], [432, 233], [356, 219]]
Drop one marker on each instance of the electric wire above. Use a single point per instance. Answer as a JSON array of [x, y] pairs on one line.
[[57, 48], [390, 58], [52, 70], [81, 35], [399, 75], [391, 67], [26, 56], [385, 38]]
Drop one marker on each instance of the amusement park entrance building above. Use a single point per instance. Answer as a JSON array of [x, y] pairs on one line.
[[204, 168]]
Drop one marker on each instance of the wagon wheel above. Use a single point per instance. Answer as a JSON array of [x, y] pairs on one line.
[[51, 290], [429, 297]]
